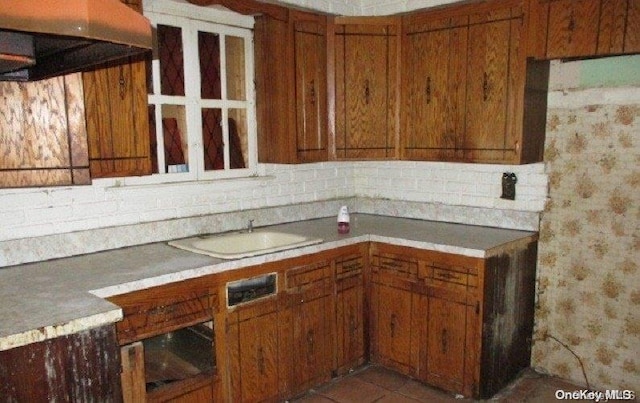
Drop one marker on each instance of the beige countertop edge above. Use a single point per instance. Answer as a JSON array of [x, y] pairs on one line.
[[53, 331], [115, 315]]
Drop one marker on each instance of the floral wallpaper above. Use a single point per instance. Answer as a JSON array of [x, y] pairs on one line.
[[589, 252]]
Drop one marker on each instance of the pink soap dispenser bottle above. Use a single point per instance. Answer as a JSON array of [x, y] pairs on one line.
[[343, 220]]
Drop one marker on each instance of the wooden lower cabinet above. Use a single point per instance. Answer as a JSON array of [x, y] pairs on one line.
[[253, 351], [350, 318], [441, 318], [462, 324], [306, 325]]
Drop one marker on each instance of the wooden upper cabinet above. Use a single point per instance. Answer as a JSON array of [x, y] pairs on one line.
[[310, 42], [465, 86], [43, 140], [291, 87], [584, 28], [366, 86], [434, 77], [117, 118], [495, 78]]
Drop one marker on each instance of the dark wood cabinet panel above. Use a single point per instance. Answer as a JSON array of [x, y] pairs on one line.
[[573, 28], [561, 29], [465, 86], [291, 87], [71, 368]]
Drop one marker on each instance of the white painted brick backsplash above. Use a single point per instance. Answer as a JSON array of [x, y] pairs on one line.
[[46, 211]]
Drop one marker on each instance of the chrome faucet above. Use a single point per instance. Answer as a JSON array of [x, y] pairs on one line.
[[250, 226]]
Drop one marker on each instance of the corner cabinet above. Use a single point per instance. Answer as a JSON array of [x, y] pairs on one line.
[[115, 97], [465, 88], [459, 323], [364, 88]]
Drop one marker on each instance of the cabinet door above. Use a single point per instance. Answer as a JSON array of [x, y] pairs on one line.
[[252, 338], [311, 89], [132, 375], [494, 69], [434, 74], [393, 327], [573, 28], [365, 91], [43, 139], [349, 312], [632, 33], [117, 120], [446, 337], [306, 326]]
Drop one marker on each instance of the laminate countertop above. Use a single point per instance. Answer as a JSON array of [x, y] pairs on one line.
[[43, 300]]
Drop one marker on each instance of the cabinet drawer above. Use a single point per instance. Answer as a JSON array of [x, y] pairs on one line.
[[437, 274], [402, 266], [151, 317], [349, 266], [307, 276]]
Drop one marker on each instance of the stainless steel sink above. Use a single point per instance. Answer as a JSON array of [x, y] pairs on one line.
[[243, 244]]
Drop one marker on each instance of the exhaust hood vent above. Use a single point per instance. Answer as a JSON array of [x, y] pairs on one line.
[[47, 38]]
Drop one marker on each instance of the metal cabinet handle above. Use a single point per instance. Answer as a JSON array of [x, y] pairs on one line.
[[261, 366], [392, 325], [122, 83], [485, 86], [313, 92], [444, 341], [367, 92]]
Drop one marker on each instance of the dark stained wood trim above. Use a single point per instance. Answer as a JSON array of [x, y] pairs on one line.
[[248, 7]]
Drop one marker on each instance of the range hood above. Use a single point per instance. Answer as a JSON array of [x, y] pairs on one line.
[[46, 38]]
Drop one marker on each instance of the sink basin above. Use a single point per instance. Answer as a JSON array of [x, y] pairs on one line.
[[244, 244]]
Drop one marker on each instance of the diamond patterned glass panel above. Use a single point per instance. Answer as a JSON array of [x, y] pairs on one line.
[[209, 51], [238, 138], [175, 141], [235, 65], [171, 58], [153, 143], [212, 141]]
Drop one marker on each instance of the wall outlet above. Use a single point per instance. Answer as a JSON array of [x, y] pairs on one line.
[[509, 180]]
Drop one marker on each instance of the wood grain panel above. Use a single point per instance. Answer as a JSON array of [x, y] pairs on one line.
[[74, 368], [42, 133], [632, 33], [311, 90], [117, 120], [573, 28], [366, 88]]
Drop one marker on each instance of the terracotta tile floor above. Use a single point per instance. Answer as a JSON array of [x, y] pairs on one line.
[[376, 384]]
